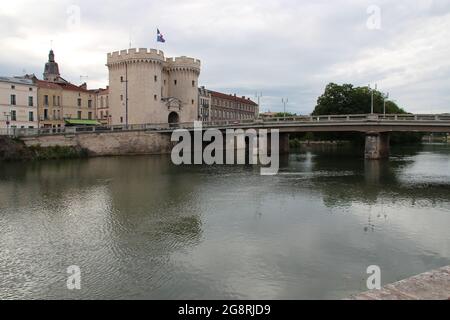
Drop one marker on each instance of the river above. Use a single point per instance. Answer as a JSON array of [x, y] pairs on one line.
[[139, 227]]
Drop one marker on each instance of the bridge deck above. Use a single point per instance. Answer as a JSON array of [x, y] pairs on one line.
[[354, 123]]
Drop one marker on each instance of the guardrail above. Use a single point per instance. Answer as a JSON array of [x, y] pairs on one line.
[[19, 132]]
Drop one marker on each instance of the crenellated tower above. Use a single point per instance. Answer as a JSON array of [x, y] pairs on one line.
[[159, 90], [183, 74]]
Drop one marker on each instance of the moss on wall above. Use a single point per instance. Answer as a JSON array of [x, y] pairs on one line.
[[15, 150]]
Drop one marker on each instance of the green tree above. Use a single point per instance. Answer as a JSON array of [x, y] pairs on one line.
[[347, 99], [287, 114]]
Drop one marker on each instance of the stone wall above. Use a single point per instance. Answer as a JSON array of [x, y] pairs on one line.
[[108, 144]]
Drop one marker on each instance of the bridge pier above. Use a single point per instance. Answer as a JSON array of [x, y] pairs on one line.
[[377, 146], [284, 143]]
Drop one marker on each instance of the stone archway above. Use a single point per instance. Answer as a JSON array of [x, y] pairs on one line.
[[174, 118]]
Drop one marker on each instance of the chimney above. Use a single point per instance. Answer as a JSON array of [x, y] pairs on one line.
[[84, 86]]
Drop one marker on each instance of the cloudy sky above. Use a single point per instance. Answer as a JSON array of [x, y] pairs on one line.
[[282, 48]]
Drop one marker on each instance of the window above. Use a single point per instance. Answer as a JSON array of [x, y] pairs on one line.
[[30, 116], [193, 83], [13, 99], [90, 115], [107, 102], [175, 82], [121, 97], [155, 97], [89, 103], [59, 101], [101, 102], [101, 114], [79, 102], [13, 87], [45, 114], [121, 119], [156, 78], [30, 101], [164, 82], [30, 89], [54, 100], [54, 114], [121, 79], [79, 114], [13, 115], [192, 101], [46, 100]]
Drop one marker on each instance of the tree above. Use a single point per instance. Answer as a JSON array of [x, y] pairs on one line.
[[347, 99], [287, 114]]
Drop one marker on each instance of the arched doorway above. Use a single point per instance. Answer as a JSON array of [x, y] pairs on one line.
[[174, 118]]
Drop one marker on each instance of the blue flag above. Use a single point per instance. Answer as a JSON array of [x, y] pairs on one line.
[[159, 37]]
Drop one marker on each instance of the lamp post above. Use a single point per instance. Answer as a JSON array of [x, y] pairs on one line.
[[258, 96], [126, 93], [371, 99], [7, 115], [384, 104], [284, 101]]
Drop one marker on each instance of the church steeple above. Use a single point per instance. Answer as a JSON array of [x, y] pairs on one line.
[[51, 72]]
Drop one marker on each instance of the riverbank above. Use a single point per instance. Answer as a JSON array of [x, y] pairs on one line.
[[15, 150], [432, 285]]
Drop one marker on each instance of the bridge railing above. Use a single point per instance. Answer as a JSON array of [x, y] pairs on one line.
[[19, 132]]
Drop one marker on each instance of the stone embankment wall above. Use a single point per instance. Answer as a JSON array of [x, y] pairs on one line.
[[108, 144]]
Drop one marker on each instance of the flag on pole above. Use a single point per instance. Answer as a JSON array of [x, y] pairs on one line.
[[159, 36]]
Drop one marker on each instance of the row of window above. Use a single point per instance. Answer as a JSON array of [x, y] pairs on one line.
[[13, 116], [175, 82], [102, 104], [221, 114], [57, 115], [14, 87], [232, 104], [57, 101], [13, 101]]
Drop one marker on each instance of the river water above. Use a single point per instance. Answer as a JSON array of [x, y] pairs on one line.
[[140, 227]]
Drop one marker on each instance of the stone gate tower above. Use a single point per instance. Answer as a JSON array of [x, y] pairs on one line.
[[158, 90]]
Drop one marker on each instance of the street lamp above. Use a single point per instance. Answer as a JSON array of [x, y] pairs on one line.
[[7, 115], [126, 93], [384, 103], [284, 101], [258, 96], [371, 101]]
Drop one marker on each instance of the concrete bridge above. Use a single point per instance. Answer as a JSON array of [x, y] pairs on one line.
[[133, 138]]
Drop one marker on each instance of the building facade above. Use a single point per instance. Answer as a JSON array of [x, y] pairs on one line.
[[231, 107], [146, 87], [204, 104], [60, 100], [103, 114], [18, 103]]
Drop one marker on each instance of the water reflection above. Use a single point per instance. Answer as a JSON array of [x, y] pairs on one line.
[[140, 227]]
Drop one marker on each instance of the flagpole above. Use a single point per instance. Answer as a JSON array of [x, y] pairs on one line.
[[157, 44]]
